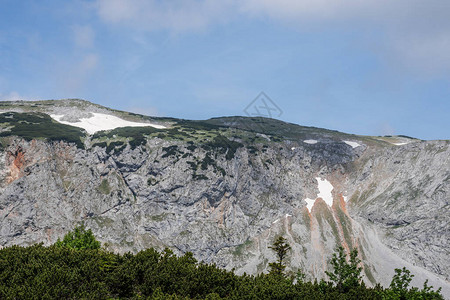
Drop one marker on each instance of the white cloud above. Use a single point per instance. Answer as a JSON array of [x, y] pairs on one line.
[[118, 10], [413, 32], [378, 12], [176, 15], [83, 36], [428, 53], [309, 10]]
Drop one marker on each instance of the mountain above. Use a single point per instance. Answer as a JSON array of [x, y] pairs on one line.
[[225, 188]]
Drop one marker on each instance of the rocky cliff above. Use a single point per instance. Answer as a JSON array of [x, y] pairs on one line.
[[224, 188]]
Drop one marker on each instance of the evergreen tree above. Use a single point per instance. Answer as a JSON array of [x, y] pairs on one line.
[[38, 272], [300, 276], [281, 248]]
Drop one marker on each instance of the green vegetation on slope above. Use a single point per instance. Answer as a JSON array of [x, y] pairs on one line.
[[275, 128], [76, 268], [38, 125], [279, 130], [195, 133], [136, 135]]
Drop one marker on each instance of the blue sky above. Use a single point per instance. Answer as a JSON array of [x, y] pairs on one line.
[[373, 67]]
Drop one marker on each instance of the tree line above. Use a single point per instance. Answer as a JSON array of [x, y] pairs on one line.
[[77, 267]]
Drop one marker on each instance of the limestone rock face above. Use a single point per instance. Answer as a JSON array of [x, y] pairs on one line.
[[225, 192]]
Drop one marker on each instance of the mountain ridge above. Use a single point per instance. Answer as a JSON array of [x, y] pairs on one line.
[[255, 124], [224, 192]]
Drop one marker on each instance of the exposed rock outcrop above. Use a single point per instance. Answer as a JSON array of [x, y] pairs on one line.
[[227, 202]]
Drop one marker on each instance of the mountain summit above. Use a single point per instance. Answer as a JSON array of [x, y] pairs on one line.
[[225, 188]]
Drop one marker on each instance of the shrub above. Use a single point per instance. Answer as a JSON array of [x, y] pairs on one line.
[[38, 125], [79, 238]]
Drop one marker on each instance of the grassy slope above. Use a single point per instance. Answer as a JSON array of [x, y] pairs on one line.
[[241, 129], [39, 126]]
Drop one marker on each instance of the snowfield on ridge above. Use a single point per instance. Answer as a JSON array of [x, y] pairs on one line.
[[99, 122], [352, 144]]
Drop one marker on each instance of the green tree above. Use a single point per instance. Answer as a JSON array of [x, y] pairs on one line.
[[428, 293], [300, 276], [281, 248], [399, 288], [400, 281], [79, 238], [346, 274]]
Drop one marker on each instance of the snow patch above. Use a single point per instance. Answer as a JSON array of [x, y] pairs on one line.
[[345, 198], [310, 203], [312, 142], [275, 221], [100, 122], [353, 144], [293, 148], [325, 189], [288, 215], [399, 144]]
